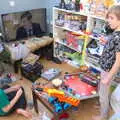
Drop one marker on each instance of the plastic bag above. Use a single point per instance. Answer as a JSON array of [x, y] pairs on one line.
[[115, 100], [42, 116], [18, 52], [45, 117]]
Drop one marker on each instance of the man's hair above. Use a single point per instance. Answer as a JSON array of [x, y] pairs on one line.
[[26, 14], [114, 10]]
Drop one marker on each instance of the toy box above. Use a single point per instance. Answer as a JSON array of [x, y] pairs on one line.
[[32, 72], [50, 73]]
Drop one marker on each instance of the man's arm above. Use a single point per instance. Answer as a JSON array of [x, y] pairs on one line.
[[13, 88], [116, 65]]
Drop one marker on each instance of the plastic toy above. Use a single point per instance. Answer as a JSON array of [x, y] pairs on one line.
[[81, 88], [59, 106], [64, 116], [66, 105], [61, 96], [74, 56], [87, 33]]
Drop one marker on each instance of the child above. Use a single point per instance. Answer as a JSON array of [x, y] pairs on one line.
[[12, 99], [109, 61]]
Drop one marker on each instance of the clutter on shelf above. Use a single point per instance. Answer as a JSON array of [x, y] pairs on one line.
[[70, 5], [93, 7], [71, 21], [94, 48], [67, 55]]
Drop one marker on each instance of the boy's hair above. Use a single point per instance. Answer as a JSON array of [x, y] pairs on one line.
[[114, 10], [26, 14]]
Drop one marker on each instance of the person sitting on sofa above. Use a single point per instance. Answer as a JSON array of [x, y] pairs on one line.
[[27, 27], [12, 99]]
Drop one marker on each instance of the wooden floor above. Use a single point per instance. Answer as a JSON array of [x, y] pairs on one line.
[[86, 109]]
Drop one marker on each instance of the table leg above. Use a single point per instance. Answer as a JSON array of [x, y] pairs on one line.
[[35, 102]]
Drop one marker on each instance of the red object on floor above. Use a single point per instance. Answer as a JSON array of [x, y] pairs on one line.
[[79, 86], [64, 116]]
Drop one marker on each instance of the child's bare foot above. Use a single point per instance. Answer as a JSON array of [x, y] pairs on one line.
[[24, 113]]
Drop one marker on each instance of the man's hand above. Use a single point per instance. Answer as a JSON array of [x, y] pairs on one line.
[[107, 79], [103, 41]]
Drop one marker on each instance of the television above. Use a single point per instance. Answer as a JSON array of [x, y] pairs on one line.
[[12, 21]]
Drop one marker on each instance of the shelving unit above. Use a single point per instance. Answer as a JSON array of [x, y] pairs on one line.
[[65, 23], [90, 20]]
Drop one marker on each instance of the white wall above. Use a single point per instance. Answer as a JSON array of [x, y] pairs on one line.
[[49, 4], [21, 5]]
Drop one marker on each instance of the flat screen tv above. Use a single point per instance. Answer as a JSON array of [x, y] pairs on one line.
[[12, 22]]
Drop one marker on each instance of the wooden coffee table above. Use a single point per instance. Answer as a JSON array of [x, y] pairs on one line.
[[36, 95]]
